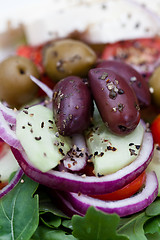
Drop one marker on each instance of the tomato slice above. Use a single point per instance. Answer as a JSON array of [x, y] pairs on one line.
[[33, 53], [3, 184], [125, 192], [142, 54], [88, 170], [155, 129]]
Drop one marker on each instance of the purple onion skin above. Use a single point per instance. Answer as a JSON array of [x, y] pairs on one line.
[[132, 77], [115, 99], [66, 181], [72, 105]]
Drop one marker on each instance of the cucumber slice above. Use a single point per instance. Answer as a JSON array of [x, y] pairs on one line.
[[110, 152], [8, 164], [155, 165], [39, 137]]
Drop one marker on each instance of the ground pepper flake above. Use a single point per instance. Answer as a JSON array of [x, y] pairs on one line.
[[38, 138], [42, 124], [104, 76]]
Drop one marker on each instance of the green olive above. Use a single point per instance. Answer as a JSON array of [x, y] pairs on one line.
[[16, 87], [68, 57], [154, 83]]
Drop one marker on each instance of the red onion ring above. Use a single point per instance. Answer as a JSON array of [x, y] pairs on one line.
[[43, 86], [7, 134], [123, 207], [90, 184], [65, 206], [8, 114], [12, 183], [76, 158]]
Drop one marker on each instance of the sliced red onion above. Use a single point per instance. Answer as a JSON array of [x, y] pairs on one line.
[[63, 204], [90, 184], [9, 114], [12, 183], [123, 207], [76, 158], [7, 134], [43, 86]]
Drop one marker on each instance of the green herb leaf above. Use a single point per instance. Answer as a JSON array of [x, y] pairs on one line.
[[154, 208], [96, 225], [155, 236], [134, 227], [19, 215], [152, 225], [67, 224], [51, 234], [48, 204], [51, 220]]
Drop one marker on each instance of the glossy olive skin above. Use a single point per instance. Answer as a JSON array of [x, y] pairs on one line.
[[68, 57], [16, 87], [115, 99], [72, 105], [154, 83], [134, 79]]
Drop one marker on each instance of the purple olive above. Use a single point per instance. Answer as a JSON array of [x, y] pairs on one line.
[[115, 99], [135, 80], [72, 105]]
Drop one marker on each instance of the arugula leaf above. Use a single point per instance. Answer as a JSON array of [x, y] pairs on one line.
[[96, 225], [45, 233], [19, 211], [152, 225], [154, 208], [133, 227], [51, 220], [154, 236], [46, 204], [67, 224]]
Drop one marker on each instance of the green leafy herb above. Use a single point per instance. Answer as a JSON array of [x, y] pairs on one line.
[[96, 226], [51, 234], [19, 214], [133, 226]]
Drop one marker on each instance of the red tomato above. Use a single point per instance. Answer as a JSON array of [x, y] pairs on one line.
[[2, 185], [142, 54], [33, 53], [125, 192], [88, 170], [155, 128]]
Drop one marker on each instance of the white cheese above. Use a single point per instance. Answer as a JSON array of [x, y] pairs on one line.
[[98, 21]]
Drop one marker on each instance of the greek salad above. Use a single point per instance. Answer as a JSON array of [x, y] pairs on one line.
[[80, 141]]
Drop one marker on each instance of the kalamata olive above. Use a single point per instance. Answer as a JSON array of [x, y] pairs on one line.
[[136, 81], [16, 87], [72, 105], [154, 83], [68, 57], [115, 100]]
